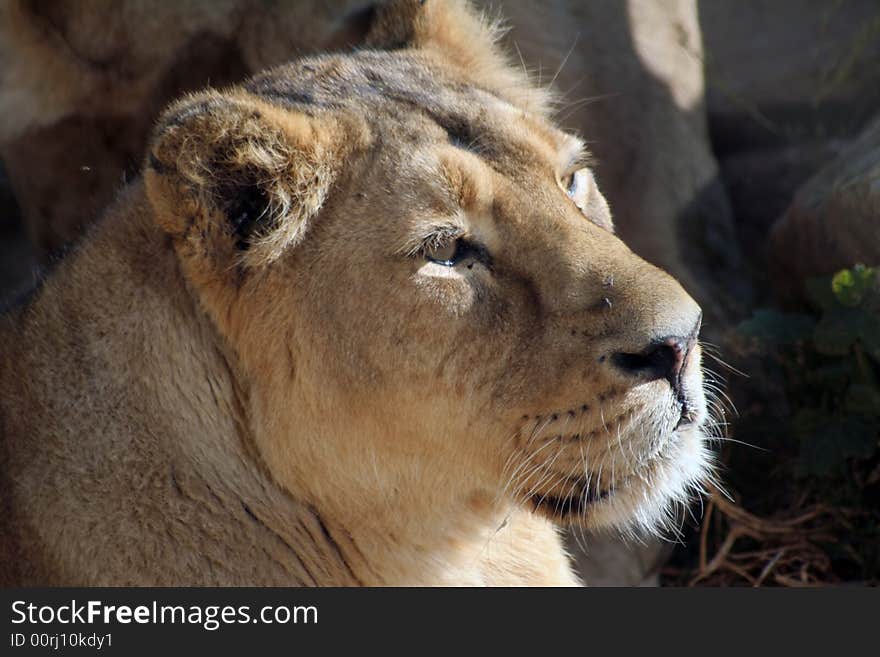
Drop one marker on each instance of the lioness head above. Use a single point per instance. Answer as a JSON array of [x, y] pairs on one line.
[[419, 284]]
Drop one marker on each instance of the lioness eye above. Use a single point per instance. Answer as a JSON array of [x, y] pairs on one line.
[[580, 185], [443, 254], [453, 252]]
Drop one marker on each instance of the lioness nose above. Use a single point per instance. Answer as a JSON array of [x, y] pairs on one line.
[[662, 359]]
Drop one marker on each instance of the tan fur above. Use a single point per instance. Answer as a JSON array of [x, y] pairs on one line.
[[251, 371]]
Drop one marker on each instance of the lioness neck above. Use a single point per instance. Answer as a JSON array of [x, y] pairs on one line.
[[127, 439]]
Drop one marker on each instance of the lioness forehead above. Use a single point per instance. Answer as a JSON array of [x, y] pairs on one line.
[[407, 88]]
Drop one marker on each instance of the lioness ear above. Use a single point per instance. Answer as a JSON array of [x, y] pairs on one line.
[[236, 181]]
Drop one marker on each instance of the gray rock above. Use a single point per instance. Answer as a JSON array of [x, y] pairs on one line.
[[761, 184], [606, 560], [834, 219], [779, 71]]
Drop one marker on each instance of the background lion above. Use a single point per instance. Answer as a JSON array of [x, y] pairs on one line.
[[363, 321]]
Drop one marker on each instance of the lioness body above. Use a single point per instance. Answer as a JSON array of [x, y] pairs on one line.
[[143, 471], [363, 321]]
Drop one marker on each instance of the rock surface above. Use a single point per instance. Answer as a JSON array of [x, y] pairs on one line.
[[834, 219], [608, 560], [761, 184], [779, 71]]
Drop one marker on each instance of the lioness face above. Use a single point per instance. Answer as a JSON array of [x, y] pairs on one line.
[[478, 305], [457, 313]]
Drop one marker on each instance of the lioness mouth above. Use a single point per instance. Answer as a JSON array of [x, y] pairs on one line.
[[561, 507], [686, 419]]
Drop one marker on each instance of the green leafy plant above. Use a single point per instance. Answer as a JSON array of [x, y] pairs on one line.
[[811, 407], [831, 358]]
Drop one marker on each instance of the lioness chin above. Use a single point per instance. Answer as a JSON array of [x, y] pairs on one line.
[[363, 321]]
